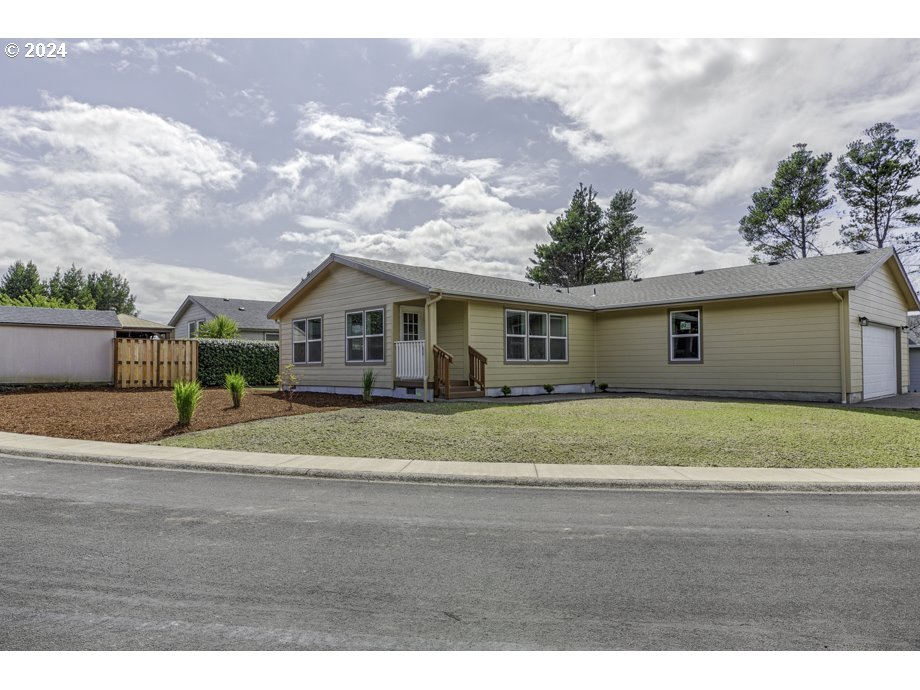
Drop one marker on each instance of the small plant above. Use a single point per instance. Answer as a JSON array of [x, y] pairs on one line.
[[236, 384], [603, 387], [186, 396], [506, 390], [368, 379], [549, 388], [286, 381]]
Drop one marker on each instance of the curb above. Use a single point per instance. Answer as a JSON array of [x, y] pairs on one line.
[[475, 480]]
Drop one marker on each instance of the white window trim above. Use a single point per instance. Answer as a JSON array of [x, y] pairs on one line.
[[295, 340], [698, 335], [270, 340], [364, 336], [314, 340], [194, 325], [547, 338]]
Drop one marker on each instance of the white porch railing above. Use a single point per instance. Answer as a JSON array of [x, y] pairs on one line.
[[410, 359]]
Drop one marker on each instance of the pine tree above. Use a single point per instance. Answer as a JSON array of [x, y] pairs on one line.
[[111, 292], [624, 237], [784, 219], [21, 279]]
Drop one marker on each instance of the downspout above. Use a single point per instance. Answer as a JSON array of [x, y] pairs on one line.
[[428, 302], [844, 359]]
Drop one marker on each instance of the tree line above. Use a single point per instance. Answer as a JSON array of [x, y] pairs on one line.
[[874, 177], [22, 286]]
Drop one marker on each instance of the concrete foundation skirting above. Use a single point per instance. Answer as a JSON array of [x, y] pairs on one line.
[[795, 396]]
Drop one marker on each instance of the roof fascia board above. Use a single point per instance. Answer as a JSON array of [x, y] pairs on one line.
[[728, 298], [512, 300]]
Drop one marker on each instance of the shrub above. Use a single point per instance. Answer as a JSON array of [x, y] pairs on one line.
[[506, 390], [368, 379], [549, 388], [257, 361], [235, 382], [286, 380], [220, 327], [603, 387], [186, 396]]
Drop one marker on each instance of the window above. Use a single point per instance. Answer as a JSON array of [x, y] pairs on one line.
[[410, 329], [685, 335], [271, 336], [308, 340], [193, 327], [533, 336], [364, 336]]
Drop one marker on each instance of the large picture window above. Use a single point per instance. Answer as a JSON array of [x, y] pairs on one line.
[[685, 334], [364, 339], [534, 336]]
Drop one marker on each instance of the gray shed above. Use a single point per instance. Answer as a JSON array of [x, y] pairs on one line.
[[41, 346]]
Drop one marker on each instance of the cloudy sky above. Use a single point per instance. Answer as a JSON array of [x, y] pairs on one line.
[[232, 167]]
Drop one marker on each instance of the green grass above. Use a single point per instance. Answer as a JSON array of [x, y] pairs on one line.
[[606, 430]]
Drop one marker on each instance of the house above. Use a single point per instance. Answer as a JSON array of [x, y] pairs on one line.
[[134, 327], [249, 314], [827, 328], [41, 346]]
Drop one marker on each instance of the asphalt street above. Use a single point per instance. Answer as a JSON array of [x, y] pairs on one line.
[[107, 557]]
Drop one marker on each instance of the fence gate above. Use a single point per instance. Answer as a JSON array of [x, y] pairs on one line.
[[144, 363]]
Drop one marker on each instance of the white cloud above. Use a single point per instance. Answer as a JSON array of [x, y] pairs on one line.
[[701, 109], [471, 196]]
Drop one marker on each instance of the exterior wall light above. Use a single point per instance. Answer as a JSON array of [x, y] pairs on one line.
[[863, 321]]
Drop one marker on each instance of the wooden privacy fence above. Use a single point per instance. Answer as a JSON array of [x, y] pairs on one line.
[[144, 363]]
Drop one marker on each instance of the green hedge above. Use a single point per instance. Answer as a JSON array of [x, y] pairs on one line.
[[256, 360]]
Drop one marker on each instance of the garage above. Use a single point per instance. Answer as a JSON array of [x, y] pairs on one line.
[[880, 361]]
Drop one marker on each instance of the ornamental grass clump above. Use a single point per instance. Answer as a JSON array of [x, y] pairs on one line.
[[186, 396], [368, 380], [235, 382]]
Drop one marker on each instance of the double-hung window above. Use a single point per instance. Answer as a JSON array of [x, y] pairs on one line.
[[685, 334], [307, 340], [364, 339], [193, 327], [534, 336]]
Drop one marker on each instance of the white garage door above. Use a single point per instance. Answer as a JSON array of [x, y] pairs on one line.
[[880, 365]]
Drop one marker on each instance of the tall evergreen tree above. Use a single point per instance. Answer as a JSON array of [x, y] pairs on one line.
[[582, 250], [71, 288], [21, 279], [111, 292], [784, 219], [624, 237], [875, 177]]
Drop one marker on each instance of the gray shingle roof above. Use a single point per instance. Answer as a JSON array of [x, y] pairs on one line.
[[76, 318], [802, 275], [128, 321], [251, 316], [843, 271]]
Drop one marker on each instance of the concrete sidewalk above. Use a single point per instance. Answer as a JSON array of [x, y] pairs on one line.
[[525, 474]]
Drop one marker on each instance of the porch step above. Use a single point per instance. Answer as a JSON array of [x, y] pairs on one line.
[[467, 392]]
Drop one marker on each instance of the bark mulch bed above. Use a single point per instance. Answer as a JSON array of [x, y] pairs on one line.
[[136, 416]]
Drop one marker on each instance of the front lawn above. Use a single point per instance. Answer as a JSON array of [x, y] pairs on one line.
[[605, 430]]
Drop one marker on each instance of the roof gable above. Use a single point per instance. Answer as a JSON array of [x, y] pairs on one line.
[[249, 314]]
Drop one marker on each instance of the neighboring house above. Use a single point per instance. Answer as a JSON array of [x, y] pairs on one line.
[[249, 314], [827, 328], [133, 327], [56, 346]]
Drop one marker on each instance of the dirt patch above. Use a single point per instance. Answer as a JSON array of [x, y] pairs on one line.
[[136, 416]]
